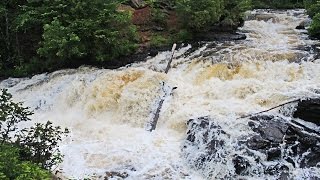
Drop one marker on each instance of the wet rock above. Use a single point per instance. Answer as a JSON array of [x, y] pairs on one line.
[[309, 110], [304, 24], [114, 174], [137, 4], [274, 132], [264, 17], [312, 158], [280, 171], [203, 142], [240, 164], [300, 27], [275, 144], [273, 154], [220, 36]]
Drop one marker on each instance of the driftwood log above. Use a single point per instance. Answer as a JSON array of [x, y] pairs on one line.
[[154, 121], [306, 109]]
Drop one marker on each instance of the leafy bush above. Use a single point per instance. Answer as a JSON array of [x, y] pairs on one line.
[[277, 4], [159, 41], [26, 153], [159, 17], [62, 33], [11, 167], [198, 16], [39, 144], [313, 10], [314, 29], [234, 10], [11, 114], [82, 28]]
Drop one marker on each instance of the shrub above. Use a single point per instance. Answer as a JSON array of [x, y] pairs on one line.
[[39, 144], [159, 41], [11, 167], [314, 29], [198, 16], [26, 153], [11, 114]]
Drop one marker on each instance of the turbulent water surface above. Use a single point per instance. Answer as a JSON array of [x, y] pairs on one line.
[[107, 110]]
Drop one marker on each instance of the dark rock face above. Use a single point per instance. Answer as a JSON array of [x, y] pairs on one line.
[[309, 110], [203, 132], [297, 145], [276, 146]]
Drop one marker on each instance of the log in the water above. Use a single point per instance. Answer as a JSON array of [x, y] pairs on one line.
[[254, 114], [154, 121]]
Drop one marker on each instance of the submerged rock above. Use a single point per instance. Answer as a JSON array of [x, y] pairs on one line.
[[276, 146]]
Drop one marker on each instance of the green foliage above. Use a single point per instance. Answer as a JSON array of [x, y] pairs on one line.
[[159, 41], [277, 4], [11, 114], [26, 153], [182, 35], [234, 12], [314, 29], [57, 33], [30, 171], [312, 6], [39, 144], [76, 29], [198, 16], [159, 17], [313, 9], [11, 167], [60, 43]]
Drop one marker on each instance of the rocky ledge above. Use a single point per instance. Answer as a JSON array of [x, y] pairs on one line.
[[274, 145]]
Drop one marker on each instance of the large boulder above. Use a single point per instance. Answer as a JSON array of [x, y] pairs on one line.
[[309, 110]]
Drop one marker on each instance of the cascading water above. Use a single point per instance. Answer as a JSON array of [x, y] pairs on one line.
[[107, 110]]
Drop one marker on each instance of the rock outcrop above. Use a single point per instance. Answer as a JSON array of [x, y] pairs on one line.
[[275, 146], [309, 110]]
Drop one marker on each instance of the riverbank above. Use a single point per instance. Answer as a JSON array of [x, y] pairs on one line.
[[35, 41]]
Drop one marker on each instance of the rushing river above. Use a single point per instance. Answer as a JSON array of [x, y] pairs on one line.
[[107, 110]]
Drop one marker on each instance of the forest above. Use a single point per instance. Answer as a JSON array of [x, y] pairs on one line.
[[40, 35]]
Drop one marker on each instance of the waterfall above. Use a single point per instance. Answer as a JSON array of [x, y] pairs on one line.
[[107, 110]]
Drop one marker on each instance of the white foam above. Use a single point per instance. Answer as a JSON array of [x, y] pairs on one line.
[[106, 110]]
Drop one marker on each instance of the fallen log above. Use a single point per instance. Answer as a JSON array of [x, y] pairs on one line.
[[153, 123], [254, 114], [307, 110]]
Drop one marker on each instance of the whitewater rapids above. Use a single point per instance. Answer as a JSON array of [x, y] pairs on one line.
[[107, 110]]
